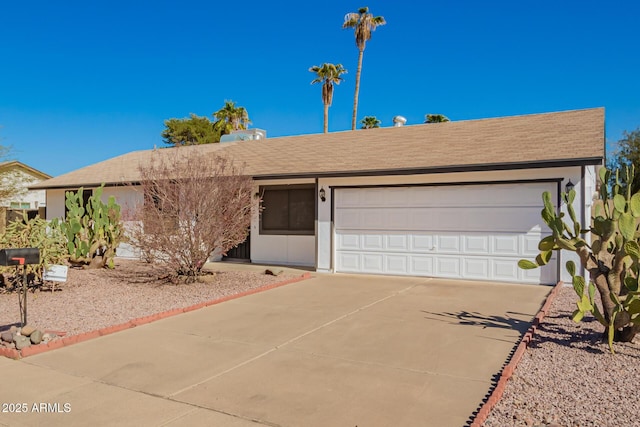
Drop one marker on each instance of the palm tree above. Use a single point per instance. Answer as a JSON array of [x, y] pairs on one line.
[[370, 122], [363, 23], [230, 118], [436, 118], [328, 75]]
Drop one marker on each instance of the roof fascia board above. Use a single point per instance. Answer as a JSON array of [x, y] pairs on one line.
[[443, 169]]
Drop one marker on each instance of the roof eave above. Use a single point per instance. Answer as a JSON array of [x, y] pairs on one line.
[[438, 169]]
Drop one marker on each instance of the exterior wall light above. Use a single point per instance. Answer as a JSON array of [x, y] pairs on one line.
[[322, 194], [569, 186]]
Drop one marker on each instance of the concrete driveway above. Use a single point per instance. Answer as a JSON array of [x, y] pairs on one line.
[[334, 350]]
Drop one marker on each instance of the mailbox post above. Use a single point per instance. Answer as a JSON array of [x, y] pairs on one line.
[[21, 257]]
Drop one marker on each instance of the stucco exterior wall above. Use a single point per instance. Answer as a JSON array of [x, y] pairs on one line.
[[280, 249], [35, 198]]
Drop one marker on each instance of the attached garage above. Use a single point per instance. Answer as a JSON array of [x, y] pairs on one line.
[[475, 231]]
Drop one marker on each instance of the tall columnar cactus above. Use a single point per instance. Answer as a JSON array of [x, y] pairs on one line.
[[612, 260], [94, 233]]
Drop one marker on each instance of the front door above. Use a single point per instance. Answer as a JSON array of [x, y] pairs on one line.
[[242, 252]]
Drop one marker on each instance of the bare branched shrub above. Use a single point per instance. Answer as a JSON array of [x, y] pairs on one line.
[[194, 204]]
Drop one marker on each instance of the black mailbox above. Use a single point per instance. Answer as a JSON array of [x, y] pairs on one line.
[[14, 256]]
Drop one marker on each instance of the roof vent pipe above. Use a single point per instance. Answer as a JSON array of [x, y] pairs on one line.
[[399, 121]]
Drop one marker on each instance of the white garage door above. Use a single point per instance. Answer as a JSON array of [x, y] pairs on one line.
[[468, 231]]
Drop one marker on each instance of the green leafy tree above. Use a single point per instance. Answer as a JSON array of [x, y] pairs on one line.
[[611, 258], [231, 117], [435, 118], [328, 75], [190, 131], [363, 24], [628, 153], [370, 122]]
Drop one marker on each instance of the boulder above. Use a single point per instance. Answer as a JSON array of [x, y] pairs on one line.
[[27, 330], [7, 336], [36, 337], [22, 342]]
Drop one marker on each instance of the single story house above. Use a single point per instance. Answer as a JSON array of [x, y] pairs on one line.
[[455, 200]]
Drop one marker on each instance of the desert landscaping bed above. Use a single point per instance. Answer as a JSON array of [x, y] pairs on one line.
[[91, 300], [568, 377]]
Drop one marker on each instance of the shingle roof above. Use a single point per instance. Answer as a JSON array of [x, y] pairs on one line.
[[569, 137]]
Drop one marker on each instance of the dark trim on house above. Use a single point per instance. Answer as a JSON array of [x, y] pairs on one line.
[[288, 232], [390, 172], [452, 184], [442, 169], [332, 246], [315, 223], [583, 218], [89, 185]]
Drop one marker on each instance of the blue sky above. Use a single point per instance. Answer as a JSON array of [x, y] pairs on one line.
[[82, 81]]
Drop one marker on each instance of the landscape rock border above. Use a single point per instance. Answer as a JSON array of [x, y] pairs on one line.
[[496, 394], [73, 339]]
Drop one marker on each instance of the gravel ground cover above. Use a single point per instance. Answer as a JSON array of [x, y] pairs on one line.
[[568, 377], [95, 299]]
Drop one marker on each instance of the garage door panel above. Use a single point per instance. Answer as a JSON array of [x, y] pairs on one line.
[[349, 262], [421, 265], [348, 218], [448, 267], [506, 244], [519, 219], [421, 243], [505, 270], [499, 195], [475, 232], [398, 242], [371, 219], [475, 268], [348, 242], [396, 219], [448, 244], [373, 262], [373, 242], [396, 264], [475, 244], [438, 219], [530, 243]]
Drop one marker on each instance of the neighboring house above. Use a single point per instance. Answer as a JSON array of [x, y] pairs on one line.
[[456, 200], [14, 174]]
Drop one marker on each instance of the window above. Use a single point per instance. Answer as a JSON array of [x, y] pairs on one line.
[[288, 209], [20, 205]]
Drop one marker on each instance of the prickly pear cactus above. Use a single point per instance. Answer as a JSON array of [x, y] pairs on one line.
[[94, 233], [612, 259], [35, 233]]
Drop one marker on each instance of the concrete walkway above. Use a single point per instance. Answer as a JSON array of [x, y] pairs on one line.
[[333, 350]]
